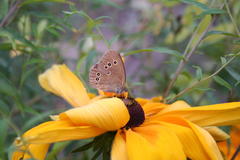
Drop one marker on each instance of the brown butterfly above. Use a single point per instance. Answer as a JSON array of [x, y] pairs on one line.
[[109, 73]]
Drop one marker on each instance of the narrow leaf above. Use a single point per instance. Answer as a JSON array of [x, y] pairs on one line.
[[138, 51], [210, 12], [4, 108], [223, 60], [234, 74], [83, 148], [222, 82], [221, 32], [26, 2], [195, 3], [163, 50], [199, 74]]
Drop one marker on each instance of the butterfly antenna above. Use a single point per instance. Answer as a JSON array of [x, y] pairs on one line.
[[236, 153]]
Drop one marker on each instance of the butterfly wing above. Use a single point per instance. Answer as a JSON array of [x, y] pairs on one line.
[[109, 73]]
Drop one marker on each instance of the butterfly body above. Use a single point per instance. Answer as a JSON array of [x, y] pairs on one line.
[[109, 74]]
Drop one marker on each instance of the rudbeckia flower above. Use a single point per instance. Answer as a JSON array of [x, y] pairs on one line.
[[145, 128]]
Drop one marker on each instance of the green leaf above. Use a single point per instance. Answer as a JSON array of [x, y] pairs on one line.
[[223, 60], [211, 11], [195, 3], [162, 50], [234, 74], [171, 96], [35, 61], [3, 8], [84, 147], [57, 148], [4, 33], [13, 35], [6, 87], [107, 2], [26, 2], [5, 46], [4, 133], [96, 155], [166, 50], [205, 8], [214, 11], [137, 51], [199, 74], [104, 17], [221, 32], [26, 74], [91, 23], [204, 89], [4, 108], [201, 28], [53, 31], [222, 82], [41, 27]]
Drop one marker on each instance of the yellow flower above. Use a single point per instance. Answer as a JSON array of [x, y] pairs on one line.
[[146, 129]]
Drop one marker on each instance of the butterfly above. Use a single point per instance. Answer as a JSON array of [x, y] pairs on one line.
[[108, 74]]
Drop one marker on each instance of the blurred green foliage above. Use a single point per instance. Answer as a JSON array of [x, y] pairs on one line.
[[154, 35]]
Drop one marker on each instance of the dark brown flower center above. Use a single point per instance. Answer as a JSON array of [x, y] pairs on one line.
[[136, 112]]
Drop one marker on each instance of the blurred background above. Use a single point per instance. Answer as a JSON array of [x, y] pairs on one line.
[[154, 36]]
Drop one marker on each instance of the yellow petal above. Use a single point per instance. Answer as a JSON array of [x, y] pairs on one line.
[[175, 106], [91, 95], [207, 141], [108, 114], [56, 131], [210, 115], [54, 117], [191, 145], [157, 99], [119, 149], [142, 101], [153, 107], [217, 133], [153, 142], [197, 142], [36, 151], [62, 82]]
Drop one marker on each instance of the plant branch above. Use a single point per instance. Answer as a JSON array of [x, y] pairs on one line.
[[187, 55], [13, 9], [204, 79]]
